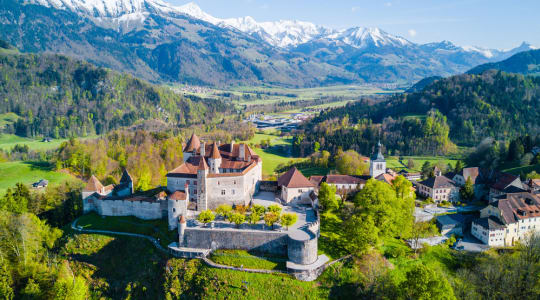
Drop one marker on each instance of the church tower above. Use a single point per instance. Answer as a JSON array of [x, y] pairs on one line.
[[214, 160], [377, 164]]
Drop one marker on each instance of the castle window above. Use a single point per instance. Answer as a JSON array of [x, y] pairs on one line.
[[222, 192], [174, 210], [234, 182]]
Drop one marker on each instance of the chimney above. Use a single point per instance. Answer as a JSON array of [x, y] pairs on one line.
[[203, 149], [242, 152], [232, 146]]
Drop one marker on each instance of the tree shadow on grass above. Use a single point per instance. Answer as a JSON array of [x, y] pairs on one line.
[[40, 166], [127, 266]]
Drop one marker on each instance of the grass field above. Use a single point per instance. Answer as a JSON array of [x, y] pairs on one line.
[[238, 258], [156, 228], [393, 162], [8, 141], [274, 155], [28, 173]]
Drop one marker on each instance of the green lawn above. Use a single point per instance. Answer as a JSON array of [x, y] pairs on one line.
[[516, 169], [392, 162], [156, 228], [8, 141], [238, 258], [274, 155], [28, 173]]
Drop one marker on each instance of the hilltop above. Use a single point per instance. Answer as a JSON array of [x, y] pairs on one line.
[[526, 63]]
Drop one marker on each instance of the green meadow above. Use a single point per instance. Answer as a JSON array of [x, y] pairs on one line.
[[27, 173]]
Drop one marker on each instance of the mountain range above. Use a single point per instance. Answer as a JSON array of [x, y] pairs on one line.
[[526, 63], [161, 42]]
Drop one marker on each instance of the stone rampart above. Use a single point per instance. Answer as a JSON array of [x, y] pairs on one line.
[[225, 238]]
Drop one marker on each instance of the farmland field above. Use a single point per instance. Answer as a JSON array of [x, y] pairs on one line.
[[8, 141], [28, 173], [393, 162]]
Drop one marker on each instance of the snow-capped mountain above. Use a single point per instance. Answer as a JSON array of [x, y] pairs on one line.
[[162, 42]]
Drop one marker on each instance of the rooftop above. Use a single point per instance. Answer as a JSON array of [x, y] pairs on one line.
[[438, 182], [294, 179], [490, 223]]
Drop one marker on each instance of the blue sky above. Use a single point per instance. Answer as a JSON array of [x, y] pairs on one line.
[[488, 23]]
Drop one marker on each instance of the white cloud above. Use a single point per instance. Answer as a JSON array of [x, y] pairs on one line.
[[412, 32]]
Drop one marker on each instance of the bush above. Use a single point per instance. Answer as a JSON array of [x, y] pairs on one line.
[[254, 218], [395, 252], [237, 218], [288, 219], [270, 218], [206, 216], [276, 209], [241, 209], [258, 209], [223, 210]]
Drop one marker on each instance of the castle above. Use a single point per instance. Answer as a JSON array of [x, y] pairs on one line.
[[211, 175]]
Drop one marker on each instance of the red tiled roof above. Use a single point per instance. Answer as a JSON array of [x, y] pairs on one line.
[[294, 179], [386, 178], [93, 185], [193, 144], [343, 179], [438, 182], [518, 206], [178, 195], [316, 180], [215, 152], [503, 181]]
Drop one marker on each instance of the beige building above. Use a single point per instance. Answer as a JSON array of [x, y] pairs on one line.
[[508, 219], [439, 188], [216, 174], [295, 187]]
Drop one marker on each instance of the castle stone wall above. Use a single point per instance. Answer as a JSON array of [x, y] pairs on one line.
[[215, 238], [119, 208]]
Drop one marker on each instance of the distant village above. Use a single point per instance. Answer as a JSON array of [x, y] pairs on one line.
[[281, 122]]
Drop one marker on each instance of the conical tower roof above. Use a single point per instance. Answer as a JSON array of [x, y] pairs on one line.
[[193, 144], [215, 152], [202, 164], [93, 185], [125, 177]]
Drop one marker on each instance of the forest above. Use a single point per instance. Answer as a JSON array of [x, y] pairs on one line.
[[462, 110], [59, 97]]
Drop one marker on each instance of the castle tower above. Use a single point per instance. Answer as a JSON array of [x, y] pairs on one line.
[[177, 206], [126, 179], [202, 197], [214, 160], [191, 147], [181, 230], [377, 165]]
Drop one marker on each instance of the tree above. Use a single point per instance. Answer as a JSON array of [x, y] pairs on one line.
[[423, 283], [206, 216], [254, 218], [411, 164], [360, 234], [350, 163], [427, 170], [420, 230], [258, 209], [378, 200], [405, 198], [237, 218], [223, 210], [467, 191], [288, 219], [270, 218], [327, 196], [16, 200], [276, 209], [458, 167], [6, 290]]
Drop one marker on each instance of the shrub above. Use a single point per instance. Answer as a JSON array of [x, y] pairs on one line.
[[288, 219], [270, 218], [254, 218], [259, 209], [237, 218], [241, 209], [206, 216], [223, 210], [276, 209]]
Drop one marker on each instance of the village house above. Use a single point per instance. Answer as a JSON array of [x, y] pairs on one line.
[[507, 219], [343, 183], [410, 176], [295, 187], [504, 183], [439, 188]]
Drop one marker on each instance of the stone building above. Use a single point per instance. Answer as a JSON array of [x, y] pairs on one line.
[[508, 219], [216, 174], [295, 187], [439, 188]]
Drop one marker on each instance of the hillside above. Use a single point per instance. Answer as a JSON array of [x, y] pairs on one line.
[[420, 85], [159, 42], [61, 97], [526, 63], [469, 109]]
